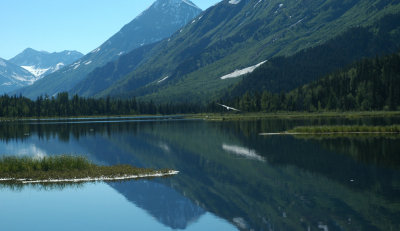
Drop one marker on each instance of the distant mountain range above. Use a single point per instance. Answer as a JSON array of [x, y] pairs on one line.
[[230, 36], [13, 77], [159, 21], [42, 63], [216, 48], [31, 65]]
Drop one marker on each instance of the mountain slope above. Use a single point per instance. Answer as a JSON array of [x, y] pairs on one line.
[[13, 77], [282, 74], [159, 21], [103, 77], [226, 37], [369, 84], [42, 63]]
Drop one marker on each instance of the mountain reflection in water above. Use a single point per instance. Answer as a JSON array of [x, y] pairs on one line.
[[277, 183]]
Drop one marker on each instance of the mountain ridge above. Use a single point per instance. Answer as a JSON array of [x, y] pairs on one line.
[[13, 77], [157, 22], [42, 63], [283, 74], [231, 36]]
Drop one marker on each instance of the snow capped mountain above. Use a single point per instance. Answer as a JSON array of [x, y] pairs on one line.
[[42, 63], [159, 21], [13, 77]]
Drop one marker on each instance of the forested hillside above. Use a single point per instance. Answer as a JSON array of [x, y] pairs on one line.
[[370, 84], [283, 74], [189, 65]]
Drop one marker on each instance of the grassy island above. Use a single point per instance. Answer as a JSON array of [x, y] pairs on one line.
[[68, 169], [341, 130], [345, 129]]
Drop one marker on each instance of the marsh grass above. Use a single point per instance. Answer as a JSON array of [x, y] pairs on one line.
[[64, 167], [394, 129], [226, 116]]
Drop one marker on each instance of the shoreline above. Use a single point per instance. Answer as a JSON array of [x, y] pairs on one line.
[[225, 116], [66, 168], [91, 179], [322, 133], [289, 115], [339, 130]]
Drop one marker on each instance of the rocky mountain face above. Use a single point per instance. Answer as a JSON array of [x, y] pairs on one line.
[[159, 21]]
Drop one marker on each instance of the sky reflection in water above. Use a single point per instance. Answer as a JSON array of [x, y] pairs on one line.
[[231, 178]]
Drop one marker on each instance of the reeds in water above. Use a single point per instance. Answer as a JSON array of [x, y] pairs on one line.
[[345, 129], [65, 167]]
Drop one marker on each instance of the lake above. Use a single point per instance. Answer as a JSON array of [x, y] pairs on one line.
[[231, 178]]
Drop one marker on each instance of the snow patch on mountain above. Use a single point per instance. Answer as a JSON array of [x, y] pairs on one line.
[[58, 66], [36, 71], [257, 3], [280, 6], [163, 79], [42, 63], [96, 50], [21, 78], [41, 72], [234, 2], [13, 76], [238, 73]]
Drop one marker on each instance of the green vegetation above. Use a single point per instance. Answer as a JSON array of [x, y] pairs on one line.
[[64, 106], [65, 168], [283, 74], [292, 115], [230, 37], [345, 129], [319, 180], [368, 85], [371, 84]]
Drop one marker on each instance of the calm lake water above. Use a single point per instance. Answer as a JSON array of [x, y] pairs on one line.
[[231, 178]]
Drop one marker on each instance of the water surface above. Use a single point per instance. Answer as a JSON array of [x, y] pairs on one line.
[[231, 178]]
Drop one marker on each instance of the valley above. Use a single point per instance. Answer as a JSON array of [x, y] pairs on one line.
[[277, 115]]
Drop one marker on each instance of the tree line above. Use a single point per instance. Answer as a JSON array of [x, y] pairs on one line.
[[370, 84], [63, 106], [286, 73]]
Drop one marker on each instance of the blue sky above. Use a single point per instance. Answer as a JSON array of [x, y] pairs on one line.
[[56, 25]]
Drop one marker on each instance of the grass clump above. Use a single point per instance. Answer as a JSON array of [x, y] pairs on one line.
[[63, 168], [17, 165], [345, 129]]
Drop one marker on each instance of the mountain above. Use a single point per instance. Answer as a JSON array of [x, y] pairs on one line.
[[165, 204], [369, 84], [233, 35], [283, 74], [13, 77], [42, 63], [159, 21]]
